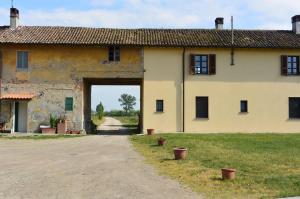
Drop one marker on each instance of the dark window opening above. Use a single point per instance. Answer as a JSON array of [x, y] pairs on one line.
[[22, 60], [293, 65], [159, 106], [69, 104], [294, 107], [114, 53], [201, 107], [244, 106], [201, 64]]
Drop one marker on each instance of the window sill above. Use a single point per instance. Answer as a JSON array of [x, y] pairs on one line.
[[22, 70], [159, 112], [243, 113], [201, 119], [294, 119]]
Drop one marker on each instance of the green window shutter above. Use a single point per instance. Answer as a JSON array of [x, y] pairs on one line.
[[69, 104]]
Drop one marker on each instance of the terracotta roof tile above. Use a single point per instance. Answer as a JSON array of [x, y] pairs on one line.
[[149, 37], [17, 96]]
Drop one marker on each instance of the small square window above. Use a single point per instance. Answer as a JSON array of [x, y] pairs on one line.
[[69, 104], [22, 60], [159, 106], [244, 106], [294, 107]]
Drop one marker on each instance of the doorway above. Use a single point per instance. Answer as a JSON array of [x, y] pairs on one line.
[[20, 117]]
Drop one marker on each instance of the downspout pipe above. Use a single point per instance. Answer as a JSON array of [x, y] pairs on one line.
[[183, 90]]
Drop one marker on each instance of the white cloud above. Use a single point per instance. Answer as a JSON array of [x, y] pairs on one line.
[[166, 13]]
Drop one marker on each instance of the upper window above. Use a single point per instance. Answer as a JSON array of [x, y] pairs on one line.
[[114, 53], [244, 106], [22, 60], [203, 64], [294, 107], [293, 65], [159, 106], [289, 65], [69, 104], [201, 107]]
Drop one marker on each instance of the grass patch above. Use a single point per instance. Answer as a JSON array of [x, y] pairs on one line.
[[38, 137], [97, 121], [267, 164], [128, 121]]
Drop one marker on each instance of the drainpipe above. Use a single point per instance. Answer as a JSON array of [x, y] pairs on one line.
[[183, 90]]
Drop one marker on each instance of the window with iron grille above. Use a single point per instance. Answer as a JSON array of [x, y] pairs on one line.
[[159, 106], [292, 65], [114, 53], [294, 107], [244, 106], [201, 107], [22, 60]]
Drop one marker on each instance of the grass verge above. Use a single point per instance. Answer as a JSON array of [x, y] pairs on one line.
[[267, 164], [97, 121], [128, 121]]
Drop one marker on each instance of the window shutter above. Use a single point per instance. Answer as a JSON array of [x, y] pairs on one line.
[[284, 64], [212, 64], [192, 64]]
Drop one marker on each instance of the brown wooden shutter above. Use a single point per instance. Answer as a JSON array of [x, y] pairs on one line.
[[192, 64], [212, 64], [284, 63]]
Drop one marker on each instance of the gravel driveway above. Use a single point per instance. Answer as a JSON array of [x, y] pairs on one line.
[[85, 167]]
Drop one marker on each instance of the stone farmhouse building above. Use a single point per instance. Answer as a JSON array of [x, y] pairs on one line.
[[191, 80]]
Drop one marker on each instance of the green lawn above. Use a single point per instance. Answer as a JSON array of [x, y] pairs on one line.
[[268, 165], [97, 121], [128, 121]]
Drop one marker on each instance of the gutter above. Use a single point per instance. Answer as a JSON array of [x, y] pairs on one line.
[[183, 90]]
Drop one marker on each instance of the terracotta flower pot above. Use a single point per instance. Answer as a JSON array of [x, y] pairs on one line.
[[48, 130], [62, 128], [150, 131], [228, 174], [180, 153], [161, 142]]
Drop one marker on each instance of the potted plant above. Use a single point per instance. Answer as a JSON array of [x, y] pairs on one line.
[[52, 128], [161, 141], [228, 174], [62, 125], [150, 131], [180, 153]]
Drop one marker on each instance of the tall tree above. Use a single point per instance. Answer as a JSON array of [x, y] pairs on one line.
[[127, 102], [100, 110]]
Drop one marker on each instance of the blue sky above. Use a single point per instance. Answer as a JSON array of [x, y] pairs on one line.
[[248, 14]]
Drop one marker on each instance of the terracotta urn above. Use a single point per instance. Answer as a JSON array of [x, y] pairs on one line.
[[228, 174], [62, 128], [180, 153], [161, 141], [150, 131]]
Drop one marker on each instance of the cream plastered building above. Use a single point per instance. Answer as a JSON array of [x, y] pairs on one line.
[[191, 80]]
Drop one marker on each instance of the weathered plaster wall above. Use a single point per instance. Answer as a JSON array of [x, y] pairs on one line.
[[56, 72]]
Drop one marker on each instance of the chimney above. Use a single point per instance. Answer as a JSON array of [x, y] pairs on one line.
[[14, 18], [219, 23], [296, 24]]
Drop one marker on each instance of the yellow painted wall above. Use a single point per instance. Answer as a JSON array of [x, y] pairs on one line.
[[255, 77], [162, 81]]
